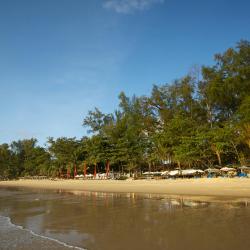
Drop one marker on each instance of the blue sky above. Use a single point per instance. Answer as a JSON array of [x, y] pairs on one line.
[[61, 58]]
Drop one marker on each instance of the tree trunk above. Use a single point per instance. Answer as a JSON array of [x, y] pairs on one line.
[[248, 143], [149, 167], [217, 152], [209, 115], [95, 170], [236, 151], [179, 166]]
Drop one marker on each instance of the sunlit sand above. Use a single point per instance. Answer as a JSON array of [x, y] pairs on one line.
[[236, 187]]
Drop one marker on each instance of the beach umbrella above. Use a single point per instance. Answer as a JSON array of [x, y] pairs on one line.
[[68, 172], [95, 171], [164, 173], [75, 172], [212, 170], [84, 169], [107, 169], [60, 173], [174, 173], [244, 168], [227, 169]]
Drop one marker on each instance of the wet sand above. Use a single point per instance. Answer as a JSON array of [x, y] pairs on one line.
[[15, 237], [56, 219], [216, 187]]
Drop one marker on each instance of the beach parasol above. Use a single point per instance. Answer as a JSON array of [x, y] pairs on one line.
[[191, 172], [68, 172], [75, 172], [60, 173], [164, 173], [84, 169], [95, 171], [212, 170], [107, 169], [244, 168], [174, 173], [227, 169]]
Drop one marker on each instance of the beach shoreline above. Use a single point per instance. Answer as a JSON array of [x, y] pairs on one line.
[[202, 187]]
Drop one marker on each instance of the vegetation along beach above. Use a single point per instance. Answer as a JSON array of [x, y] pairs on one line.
[[190, 124], [125, 125]]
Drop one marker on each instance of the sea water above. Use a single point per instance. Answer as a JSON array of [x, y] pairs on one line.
[[42, 219]]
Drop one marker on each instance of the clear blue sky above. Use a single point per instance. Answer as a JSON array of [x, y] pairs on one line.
[[61, 58]]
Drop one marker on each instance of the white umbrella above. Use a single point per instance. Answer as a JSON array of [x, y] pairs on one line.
[[173, 173], [226, 169], [164, 173], [212, 170]]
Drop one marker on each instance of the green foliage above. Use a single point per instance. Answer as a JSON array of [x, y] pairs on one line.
[[66, 153]]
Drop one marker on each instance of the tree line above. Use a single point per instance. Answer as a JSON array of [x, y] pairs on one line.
[[200, 120]]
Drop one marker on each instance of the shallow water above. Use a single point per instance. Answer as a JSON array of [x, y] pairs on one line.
[[90, 220]]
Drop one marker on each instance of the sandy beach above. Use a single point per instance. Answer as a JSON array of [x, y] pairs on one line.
[[192, 187]]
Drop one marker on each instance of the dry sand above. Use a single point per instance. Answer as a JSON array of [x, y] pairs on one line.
[[216, 187]]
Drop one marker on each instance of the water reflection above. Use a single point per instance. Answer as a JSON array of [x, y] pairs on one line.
[[166, 201], [96, 220]]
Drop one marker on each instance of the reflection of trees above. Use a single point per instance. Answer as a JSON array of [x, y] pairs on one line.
[[122, 220]]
